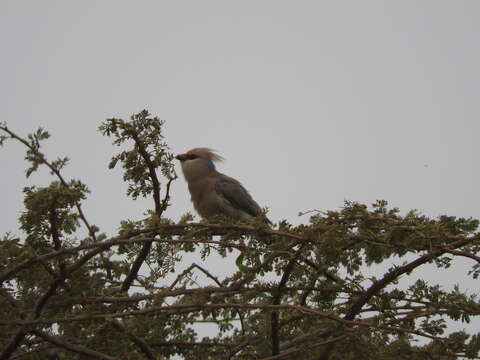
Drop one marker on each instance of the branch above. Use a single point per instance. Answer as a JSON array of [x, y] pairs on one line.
[[142, 255], [214, 278], [462, 253], [304, 338], [166, 199], [190, 268], [71, 347], [136, 340], [102, 246], [55, 171], [305, 348], [14, 343], [274, 326], [44, 299], [390, 277], [20, 335], [158, 211], [414, 315], [151, 171], [189, 344], [30, 352], [55, 233], [171, 293], [395, 273], [202, 306]]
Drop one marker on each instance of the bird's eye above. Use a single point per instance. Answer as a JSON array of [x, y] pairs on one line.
[[192, 156]]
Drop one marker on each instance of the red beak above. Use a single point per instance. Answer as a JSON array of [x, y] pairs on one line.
[[181, 157]]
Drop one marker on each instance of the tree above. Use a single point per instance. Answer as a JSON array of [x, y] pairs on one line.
[[69, 291]]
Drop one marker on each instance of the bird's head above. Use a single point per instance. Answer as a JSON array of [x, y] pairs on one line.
[[198, 162]]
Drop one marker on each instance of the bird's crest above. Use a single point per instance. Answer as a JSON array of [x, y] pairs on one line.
[[206, 153]]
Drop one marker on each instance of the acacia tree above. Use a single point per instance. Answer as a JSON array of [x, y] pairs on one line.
[[69, 291]]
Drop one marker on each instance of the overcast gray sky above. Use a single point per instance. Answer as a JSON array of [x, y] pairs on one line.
[[310, 102]]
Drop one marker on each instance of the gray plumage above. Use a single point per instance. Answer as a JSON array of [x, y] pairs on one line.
[[212, 192]]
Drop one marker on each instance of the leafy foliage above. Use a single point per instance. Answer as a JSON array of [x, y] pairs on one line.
[[148, 154], [290, 292]]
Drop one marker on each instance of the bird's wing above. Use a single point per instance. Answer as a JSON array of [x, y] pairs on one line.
[[237, 195]]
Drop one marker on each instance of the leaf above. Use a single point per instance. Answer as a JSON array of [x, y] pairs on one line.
[[239, 263]]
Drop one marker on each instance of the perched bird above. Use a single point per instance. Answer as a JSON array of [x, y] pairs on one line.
[[212, 192]]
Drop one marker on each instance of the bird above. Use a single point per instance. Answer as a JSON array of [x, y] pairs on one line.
[[213, 193]]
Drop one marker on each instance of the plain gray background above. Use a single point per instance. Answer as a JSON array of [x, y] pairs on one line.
[[310, 102]]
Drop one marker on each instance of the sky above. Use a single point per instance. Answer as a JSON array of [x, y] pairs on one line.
[[311, 102]]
